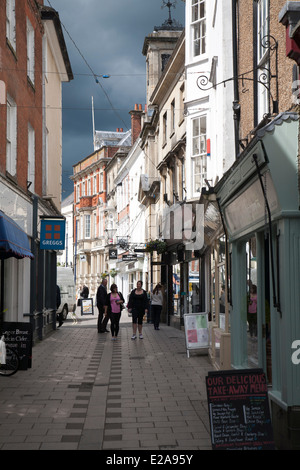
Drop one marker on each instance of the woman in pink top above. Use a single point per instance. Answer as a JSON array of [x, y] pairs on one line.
[[113, 308], [252, 311]]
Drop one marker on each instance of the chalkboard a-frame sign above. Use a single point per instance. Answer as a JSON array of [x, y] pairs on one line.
[[19, 337], [239, 410]]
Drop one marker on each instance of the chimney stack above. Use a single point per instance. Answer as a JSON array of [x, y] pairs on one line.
[[136, 117]]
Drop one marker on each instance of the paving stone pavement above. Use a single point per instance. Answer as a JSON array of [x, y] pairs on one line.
[[87, 392]]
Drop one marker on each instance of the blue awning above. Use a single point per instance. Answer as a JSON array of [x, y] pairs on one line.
[[13, 240]]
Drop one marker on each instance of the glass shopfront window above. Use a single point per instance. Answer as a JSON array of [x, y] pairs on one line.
[[252, 343], [218, 297], [176, 289], [194, 288]]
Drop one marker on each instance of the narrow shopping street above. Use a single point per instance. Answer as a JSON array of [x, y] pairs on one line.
[[87, 392]]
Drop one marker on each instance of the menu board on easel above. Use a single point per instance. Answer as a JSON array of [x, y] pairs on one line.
[[239, 410], [19, 337], [87, 307], [196, 331]]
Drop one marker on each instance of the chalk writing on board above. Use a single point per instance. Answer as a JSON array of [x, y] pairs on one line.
[[238, 410]]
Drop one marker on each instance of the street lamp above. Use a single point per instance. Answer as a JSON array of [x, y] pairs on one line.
[[110, 232]]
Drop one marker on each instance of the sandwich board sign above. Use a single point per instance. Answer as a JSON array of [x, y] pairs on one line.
[[196, 331], [239, 410], [87, 307]]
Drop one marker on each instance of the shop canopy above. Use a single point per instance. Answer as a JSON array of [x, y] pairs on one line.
[[13, 240]]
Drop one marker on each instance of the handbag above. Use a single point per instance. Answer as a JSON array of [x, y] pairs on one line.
[[121, 297]]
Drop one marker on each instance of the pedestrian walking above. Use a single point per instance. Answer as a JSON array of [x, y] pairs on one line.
[[156, 305], [113, 308], [101, 301], [138, 304]]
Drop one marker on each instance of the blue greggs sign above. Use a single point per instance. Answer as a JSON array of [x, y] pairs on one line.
[[52, 236]]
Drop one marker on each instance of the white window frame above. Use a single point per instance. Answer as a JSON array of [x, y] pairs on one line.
[[262, 55], [199, 152], [165, 127], [95, 224], [198, 27], [262, 26], [87, 226], [11, 22], [173, 114], [30, 51], [11, 136], [89, 187], [31, 157]]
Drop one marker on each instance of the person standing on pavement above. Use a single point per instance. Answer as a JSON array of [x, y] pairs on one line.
[[114, 306], [101, 301], [156, 305], [58, 302], [85, 292], [138, 304]]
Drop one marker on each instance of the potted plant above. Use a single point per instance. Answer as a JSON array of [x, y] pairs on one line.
[[156, 245]]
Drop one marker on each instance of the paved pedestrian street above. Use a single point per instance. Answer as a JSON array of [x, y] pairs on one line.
[[87, 392]]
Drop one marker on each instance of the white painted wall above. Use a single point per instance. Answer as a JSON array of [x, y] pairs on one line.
[[216, 102]]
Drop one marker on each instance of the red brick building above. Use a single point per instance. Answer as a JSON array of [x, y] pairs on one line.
[[31, 41]]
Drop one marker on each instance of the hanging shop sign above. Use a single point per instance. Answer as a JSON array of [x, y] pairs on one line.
[[113, 253], [239, 410], [52, 235], [129, 257]]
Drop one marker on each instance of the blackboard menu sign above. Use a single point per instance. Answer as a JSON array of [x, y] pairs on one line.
[[19, 337], [239, 410]]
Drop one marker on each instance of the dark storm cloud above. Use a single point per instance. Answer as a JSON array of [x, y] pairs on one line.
[[110, 37]]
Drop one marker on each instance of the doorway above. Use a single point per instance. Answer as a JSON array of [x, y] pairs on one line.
[[258, 303]]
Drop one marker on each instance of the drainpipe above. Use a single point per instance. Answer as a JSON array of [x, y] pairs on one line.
[[33, 250], [236, 103]]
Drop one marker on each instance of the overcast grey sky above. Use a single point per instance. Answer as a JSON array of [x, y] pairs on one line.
[[109, 35]]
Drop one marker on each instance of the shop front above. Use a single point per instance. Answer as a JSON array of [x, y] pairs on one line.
[[259, 202], [214, 281], [180, 280]]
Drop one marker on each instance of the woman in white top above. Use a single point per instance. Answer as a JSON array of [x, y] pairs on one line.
[[156, 305]]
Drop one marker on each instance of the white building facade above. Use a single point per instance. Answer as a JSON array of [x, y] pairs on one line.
[[210, 148]]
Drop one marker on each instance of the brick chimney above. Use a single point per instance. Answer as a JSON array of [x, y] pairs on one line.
[[136, 116]]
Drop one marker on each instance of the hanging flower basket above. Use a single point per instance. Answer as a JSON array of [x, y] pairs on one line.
[[156, 245], [104, 275], [113, 273]]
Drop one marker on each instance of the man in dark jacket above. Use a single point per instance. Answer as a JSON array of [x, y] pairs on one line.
[[85, 292], [101, 301]]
